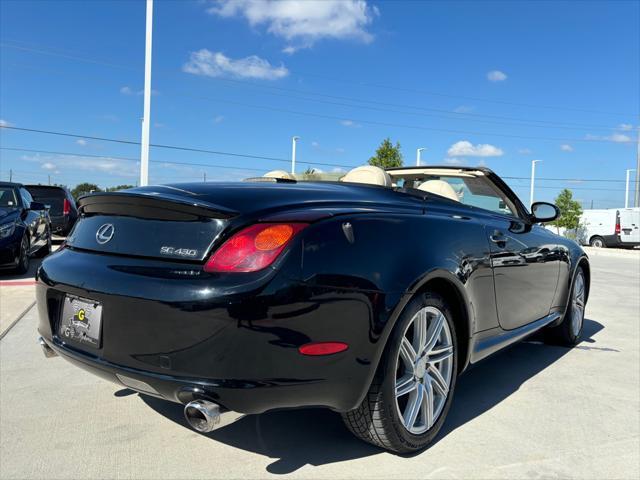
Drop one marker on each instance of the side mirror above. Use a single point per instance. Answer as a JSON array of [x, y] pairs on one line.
[[37, 206], [544, 212]]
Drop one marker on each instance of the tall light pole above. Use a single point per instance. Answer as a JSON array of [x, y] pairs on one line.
[[636, 202], [294, 140], [533, 180], [144, 142], [626, 188], [419, 156]]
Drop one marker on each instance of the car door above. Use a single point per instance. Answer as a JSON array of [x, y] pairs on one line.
[[34, 219], [526, 265]]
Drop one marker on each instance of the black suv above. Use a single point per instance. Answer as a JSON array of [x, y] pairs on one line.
[[62, 206]]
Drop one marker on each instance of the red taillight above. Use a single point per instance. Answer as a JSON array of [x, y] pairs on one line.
[[254, 248], [66, 207], [322, 348], [617, 225]]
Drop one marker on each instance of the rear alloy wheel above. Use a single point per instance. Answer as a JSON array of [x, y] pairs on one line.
[[598, 242], [23, 256], [570, 330], [411, 393]]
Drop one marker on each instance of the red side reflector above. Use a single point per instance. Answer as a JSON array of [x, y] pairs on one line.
[[322, 348], [66, 207]]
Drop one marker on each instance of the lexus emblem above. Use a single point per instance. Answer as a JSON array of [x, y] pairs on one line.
[[105, 233]]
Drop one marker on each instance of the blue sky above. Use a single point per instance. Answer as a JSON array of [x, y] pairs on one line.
[[490, 83]]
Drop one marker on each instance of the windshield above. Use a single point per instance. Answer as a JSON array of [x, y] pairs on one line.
[[8, 198], [470, 188]]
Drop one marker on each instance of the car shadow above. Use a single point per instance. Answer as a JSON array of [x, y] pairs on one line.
[[295, 438]]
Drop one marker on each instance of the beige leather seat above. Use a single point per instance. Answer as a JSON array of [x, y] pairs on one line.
[[368, 174], [279, 174], [439, 187]]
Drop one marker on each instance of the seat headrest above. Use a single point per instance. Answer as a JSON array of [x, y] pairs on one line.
[[279, 174], [368, 174], [439, 187]]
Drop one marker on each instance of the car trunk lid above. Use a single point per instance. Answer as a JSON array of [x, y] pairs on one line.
[[175, 225]]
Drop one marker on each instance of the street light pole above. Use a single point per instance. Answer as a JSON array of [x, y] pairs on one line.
[[144, 143], [626, 188], [419, 156], [294, 140], [636, 202], [533, 179]]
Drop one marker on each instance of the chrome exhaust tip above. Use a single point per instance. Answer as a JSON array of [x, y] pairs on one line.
[[46, 349], [202, 415]]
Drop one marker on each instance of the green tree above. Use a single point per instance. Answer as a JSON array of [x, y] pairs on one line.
[[83, 189], [118, 187], [570, 210], [387, 155], [311, 174]]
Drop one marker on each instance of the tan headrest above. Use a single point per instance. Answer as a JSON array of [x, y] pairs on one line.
[[439, 187], [368, 174], [279, 174]]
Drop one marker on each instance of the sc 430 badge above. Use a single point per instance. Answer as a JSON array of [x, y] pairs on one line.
[[180, 252]]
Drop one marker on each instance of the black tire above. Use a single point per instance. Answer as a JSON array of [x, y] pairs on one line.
[[23, 261], [46, 249], [565, 333], [377, 420], [597, 242]]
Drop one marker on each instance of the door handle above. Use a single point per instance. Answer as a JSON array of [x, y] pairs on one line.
[[497, 237]]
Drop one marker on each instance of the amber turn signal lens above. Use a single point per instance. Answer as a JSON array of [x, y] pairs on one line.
[[273, 237]]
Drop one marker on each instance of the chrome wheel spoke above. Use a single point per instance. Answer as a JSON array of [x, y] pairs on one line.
[[427, 404], [404, 385], [433, 333], [407, 353], [413, 407], [439, 354], [420, 332], [438, 380]]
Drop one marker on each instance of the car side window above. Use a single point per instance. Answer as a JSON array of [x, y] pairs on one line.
[[26, 198]]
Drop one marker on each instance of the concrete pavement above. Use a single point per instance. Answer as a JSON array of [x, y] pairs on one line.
[[533, 411]]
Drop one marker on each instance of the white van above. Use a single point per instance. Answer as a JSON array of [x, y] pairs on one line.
[[611, 227]]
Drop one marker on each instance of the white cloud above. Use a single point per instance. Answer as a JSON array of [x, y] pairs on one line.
[[615, 137], [453, 161], [82, 142], [217, 64], [565, 147], [525, 151], [303, 21], [349, 123], [48, 166], [625, 127], [464, 109], [218, 119], [465, 148], [4, 123], [496, 76], [338, 170], [315, 144]]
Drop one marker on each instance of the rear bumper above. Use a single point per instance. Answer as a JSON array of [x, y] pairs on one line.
[[236, 344]]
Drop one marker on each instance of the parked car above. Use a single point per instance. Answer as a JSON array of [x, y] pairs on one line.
[[62, 206], [25, 229], [611, 227], [360, 296]]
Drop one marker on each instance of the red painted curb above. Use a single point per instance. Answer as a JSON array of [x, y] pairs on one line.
[[16, 283]]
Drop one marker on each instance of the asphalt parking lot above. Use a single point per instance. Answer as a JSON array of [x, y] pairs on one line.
[[533, 411]]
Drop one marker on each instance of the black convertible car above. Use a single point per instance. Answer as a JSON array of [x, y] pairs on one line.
[[368, 296]]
